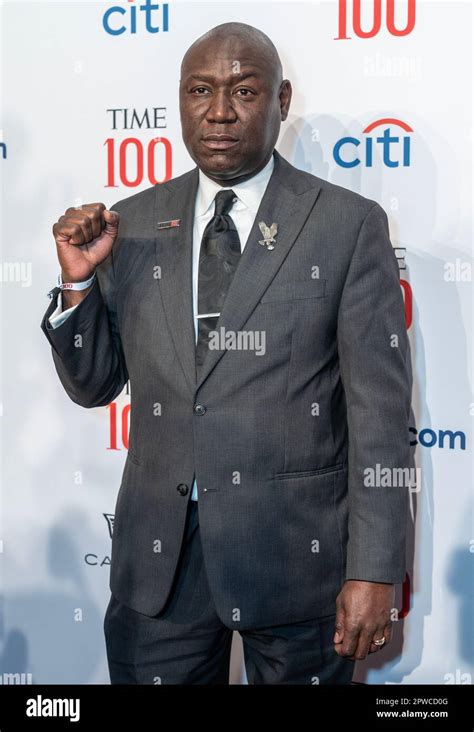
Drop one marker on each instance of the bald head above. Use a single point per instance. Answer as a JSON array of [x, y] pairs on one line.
[[232, 101], [239, 36]]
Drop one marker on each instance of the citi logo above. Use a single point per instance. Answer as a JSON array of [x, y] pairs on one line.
[[352, 23], [147, 17], [393, 144]]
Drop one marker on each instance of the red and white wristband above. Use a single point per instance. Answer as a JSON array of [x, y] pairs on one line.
[[75, 285]]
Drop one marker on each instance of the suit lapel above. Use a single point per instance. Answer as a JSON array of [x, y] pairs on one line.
[[173, 253], [288, 200]]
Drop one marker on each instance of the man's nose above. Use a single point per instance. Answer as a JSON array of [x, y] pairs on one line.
[[220, 108]]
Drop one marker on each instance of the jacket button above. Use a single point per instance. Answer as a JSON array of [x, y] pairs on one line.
[[182, 489], [199, 409]]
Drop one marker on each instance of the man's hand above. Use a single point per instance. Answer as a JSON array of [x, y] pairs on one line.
[[84, 237], [362, 616]]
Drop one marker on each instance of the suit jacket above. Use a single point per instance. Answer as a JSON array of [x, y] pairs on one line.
[[278, 441]]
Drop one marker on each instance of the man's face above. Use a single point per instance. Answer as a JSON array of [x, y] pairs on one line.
[[231, 108]]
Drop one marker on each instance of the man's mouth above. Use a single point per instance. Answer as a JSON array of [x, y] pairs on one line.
[[219, 142]]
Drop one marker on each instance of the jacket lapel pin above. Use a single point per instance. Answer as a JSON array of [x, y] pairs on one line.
[[168, 224], [269, 233]]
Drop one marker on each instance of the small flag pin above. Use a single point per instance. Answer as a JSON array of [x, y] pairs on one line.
[[168, 224]]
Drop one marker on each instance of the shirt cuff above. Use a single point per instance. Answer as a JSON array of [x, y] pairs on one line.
[[60, 315]]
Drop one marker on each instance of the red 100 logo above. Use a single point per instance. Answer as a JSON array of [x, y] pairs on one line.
[[375, 17], [140, 157]]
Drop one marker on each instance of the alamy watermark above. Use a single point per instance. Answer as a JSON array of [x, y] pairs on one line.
[[381, 477], [16, 272], [240, 340]]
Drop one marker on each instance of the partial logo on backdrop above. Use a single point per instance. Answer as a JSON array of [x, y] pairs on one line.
[[109, 518], [407, 292], [407, 302], [441, 439], [392, 146], [368, 19], [145, 16], [92, 559]]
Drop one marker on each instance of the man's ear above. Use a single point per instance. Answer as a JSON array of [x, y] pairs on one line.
[[285, 98]]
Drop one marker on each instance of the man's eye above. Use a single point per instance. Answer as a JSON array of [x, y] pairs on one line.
[[248, 92], [199, 88]]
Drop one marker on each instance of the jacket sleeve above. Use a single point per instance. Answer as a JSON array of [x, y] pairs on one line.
[[86, 348], [373, 355]]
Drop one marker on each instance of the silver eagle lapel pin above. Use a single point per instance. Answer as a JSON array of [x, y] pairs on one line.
[[269, 233]]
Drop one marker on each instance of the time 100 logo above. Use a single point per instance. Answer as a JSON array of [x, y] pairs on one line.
[[133, 158]]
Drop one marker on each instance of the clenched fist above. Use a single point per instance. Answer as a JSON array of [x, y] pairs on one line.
[[84, 237]]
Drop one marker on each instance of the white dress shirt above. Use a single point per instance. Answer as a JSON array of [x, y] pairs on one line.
[[249, 195]]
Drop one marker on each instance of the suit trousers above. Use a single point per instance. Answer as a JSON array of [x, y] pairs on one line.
[[187, 643]]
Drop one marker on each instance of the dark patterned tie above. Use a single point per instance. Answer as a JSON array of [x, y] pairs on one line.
[[218, 259]]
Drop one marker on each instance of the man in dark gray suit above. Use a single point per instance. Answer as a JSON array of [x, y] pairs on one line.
[[257, 312]]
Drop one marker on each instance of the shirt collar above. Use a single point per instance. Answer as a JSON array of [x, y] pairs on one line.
[[249, 192]]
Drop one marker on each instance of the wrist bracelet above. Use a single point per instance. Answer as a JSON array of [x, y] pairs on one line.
[[75, 285]]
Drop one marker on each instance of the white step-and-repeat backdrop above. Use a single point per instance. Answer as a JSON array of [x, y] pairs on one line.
[[382, 105]]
